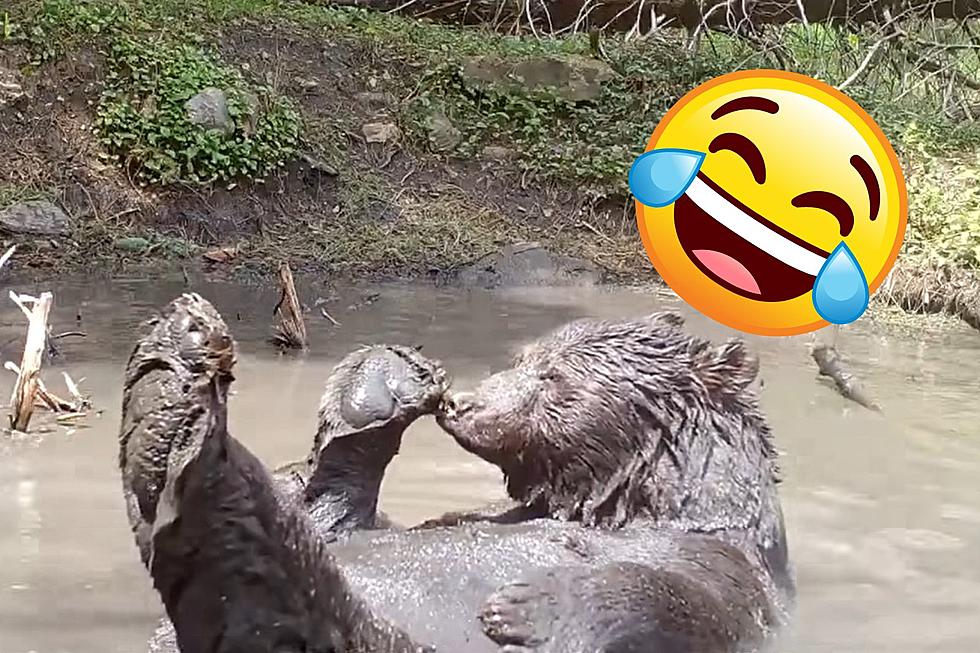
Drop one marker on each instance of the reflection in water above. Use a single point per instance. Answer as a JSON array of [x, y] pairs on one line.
[[29, 520], [883, 511]]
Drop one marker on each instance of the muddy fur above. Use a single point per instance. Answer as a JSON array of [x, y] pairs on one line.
[[679, 561], [369, 399], [161, 404], [237, 569], [609, 421], [589, 416]]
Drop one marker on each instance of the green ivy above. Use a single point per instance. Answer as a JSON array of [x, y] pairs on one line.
[[52, 27], [592, 141], [944, 210], [142, 116]]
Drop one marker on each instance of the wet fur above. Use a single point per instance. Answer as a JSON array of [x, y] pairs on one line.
[[239, 572], [673, 462], [604, 422], [616, 423], [370, 398]]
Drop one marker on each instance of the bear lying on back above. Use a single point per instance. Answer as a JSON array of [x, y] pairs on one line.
[[648, 516]]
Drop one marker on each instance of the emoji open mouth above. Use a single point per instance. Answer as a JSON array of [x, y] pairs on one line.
[[741, 250]]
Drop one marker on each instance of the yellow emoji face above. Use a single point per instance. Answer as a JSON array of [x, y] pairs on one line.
[[789, 205]]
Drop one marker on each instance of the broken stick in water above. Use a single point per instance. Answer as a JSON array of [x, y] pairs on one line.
[[28, 374], [324, 313], [30, 392], [52, 349], [6, 255], [290, 330], [829, 363]]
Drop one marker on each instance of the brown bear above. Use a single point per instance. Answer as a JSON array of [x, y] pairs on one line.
[[645, 476]]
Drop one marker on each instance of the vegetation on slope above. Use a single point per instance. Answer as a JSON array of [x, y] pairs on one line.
[[562, 152]]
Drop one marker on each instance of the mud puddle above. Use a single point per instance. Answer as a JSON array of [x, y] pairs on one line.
[[883, 511]]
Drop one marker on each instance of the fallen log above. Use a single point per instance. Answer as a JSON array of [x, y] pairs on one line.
[[28, 379], [290, 331], [829, 363], [30, 391]]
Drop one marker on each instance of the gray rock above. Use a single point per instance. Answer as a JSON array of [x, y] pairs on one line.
[[35, 218], [131, 244], [381, 132], [527, 264], [573, 77], [209, 109], [498, 153], [306, 84], [374, 100], [318, 164], [250, 121], [443, 134]]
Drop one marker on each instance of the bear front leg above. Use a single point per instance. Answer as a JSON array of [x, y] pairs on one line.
[[618, 608], [501, 512]]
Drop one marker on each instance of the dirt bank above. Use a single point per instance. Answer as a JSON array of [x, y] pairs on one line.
[[422, 150], [346, 204]]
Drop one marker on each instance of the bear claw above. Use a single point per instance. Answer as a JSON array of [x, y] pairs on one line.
[[518, 614]]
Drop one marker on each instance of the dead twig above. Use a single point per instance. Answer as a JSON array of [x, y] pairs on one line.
[[859, 71], [829, 363], [76, 406], [68, 334], [52, 349], [30, 391], [28, 375], [290, 331], [324, 313], [6, 255], [53, 401]]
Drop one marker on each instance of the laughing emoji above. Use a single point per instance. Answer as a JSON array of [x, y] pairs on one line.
[[770, 202]]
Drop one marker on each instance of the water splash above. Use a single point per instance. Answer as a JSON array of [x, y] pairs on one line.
[[840, 293], [659, 177]]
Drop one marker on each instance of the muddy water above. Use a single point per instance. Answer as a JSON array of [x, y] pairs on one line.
[[883, 511]]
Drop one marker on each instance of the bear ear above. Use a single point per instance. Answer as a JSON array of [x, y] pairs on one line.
[[726, 370]]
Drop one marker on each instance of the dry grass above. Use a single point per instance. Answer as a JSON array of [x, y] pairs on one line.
[[396, 210]]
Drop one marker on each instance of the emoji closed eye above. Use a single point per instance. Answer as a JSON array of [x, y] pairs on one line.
[[744, 148], [832, 204]]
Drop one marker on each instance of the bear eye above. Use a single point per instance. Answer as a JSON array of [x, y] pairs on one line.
[[549, 375]]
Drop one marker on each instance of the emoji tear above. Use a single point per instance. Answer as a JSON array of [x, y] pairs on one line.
[[840, 294], [659, 177]]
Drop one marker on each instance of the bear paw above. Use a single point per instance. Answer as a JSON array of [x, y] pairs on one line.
[[520, 615]]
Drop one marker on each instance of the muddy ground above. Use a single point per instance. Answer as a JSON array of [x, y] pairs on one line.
[[351, 203], [346, 206]]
